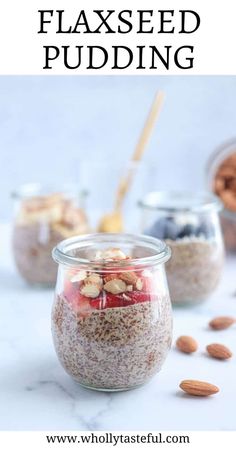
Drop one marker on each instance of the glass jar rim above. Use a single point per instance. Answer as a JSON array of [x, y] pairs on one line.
[[61, 256], [173, 201], [32, 189], [228, 147]]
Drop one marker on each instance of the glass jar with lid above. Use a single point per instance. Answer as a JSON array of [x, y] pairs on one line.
[[43, 217], [189, 224], [111, 318]]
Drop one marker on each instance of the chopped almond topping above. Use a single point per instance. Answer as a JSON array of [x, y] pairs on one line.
[[139, 284], [115, 286], [94, 278], [91, 290], [129, 277], [110, 254]]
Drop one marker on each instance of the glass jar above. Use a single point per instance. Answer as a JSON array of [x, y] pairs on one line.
[[221, 179], [44, 217], [189, 224], [111, 318], [102, 198]]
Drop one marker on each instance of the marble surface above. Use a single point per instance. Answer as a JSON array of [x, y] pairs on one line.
[[36, 394]]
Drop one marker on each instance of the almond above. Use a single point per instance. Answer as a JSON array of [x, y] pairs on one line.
[[219, 185], [94, 278], [139, 284], [219, 351], [221, 322], [110, 277], [110, 254], [114, 254], [90, 290], [186, 344], [198, 388], [115, 286], [129, 277]]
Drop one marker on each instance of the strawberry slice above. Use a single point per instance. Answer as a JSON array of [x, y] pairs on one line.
[[99, 303], [114, 300], [78, 302], [137, 297], [109, 301], [71, 292]]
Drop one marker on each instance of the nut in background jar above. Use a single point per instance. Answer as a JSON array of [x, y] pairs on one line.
[[221, 178], [44, 217]]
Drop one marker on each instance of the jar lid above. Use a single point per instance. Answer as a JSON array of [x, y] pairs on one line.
[[143, 251], [181, 201]]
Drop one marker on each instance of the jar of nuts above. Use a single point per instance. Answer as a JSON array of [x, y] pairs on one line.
[[221, 179]]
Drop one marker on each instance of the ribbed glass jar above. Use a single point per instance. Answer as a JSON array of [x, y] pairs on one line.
[[111, 318], [189, 224]]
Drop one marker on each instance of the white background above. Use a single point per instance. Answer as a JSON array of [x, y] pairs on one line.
[[50, 125], [21, 47]]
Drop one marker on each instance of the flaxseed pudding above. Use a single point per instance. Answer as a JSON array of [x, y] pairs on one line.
[[112, 323], [195, 269], [41, 222], [190, 226]]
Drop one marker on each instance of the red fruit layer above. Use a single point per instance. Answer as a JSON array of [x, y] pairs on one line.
[[85, 305], [105, 300], [108, 301]]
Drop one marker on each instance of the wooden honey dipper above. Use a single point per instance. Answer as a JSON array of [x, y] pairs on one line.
[[113, 221]]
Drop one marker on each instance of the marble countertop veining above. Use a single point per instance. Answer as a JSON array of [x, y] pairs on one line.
[[36, 393]]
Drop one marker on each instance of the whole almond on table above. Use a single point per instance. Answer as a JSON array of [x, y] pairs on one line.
[[186, 344], [219, 351], [222, 322], [198, 388]]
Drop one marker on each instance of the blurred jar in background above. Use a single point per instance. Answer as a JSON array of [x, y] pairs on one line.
[[189, 224], [44, 217], [221, 179]]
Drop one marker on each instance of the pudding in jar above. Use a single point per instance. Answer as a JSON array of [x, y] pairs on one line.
[[189, 224], [43, 220], [111, 318]]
